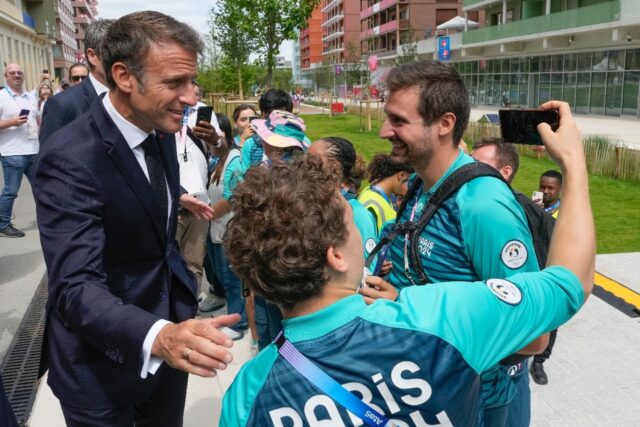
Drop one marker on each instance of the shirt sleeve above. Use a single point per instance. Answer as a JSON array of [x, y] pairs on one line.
[[232, 177], [247, 147], [487, 321], [150, 364], [495, 231], [366, 225]]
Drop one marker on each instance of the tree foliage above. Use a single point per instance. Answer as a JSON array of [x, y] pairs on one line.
[[408, 46], [271, 22]]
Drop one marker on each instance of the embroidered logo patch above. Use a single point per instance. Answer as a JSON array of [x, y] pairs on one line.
[[514, 254], [369, 245], [505, 291]]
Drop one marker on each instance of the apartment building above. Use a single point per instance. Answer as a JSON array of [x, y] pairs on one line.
[[340, 31], [84, 13], [26, 32], [311, 41], [65, 47]]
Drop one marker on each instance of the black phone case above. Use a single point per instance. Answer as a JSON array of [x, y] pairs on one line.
[[519, 126]]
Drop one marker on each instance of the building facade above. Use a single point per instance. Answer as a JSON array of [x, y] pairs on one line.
[[26, 32], [84, 13], [311, 41], [340, 31], [64, 50], [585, 52]]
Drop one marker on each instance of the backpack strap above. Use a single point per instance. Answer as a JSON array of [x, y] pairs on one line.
[[448, 187]]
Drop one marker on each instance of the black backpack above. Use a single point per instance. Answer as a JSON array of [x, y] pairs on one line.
[[540, 223]]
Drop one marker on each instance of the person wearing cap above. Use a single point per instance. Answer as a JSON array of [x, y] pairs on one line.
[[252, 149], [282, 136]]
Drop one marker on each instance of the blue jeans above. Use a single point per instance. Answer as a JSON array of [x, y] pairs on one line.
[[232, 287], [13, 167], [519, 413]]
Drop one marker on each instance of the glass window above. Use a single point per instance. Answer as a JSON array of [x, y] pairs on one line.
[[598, 87], [523, 92], [556, 63], [524, 65], [584, 61], [570, 61], [616, 60], [534, 64], [569, 89], [474, 67], [482, 95], [544, 93], [583, 84], [556, 86], [632, 60], [482, 65], [545, 63], [496, 65], [630, 98], [505, 66], [613, 102], [600, 61], [515, 65]]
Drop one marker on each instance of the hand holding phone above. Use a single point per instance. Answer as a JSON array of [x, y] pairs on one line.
[[519, 126], [204, 114], [24, 112], [536, 197]]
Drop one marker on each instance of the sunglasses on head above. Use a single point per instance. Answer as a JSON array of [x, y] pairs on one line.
[[77, 78]]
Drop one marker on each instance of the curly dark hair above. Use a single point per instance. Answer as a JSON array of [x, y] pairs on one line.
[[383, 166], [285, 218], [352, 166]]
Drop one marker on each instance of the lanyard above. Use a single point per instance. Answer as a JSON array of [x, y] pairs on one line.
[[407, 238], [328, 385], [552, 207]]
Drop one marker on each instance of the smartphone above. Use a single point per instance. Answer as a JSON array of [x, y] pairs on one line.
[[24, 112], [252, 118], [204, 114], [536, 197], [45, 71], [519, 126]]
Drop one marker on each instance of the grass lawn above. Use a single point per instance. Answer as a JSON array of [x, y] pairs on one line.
[[616, 204]]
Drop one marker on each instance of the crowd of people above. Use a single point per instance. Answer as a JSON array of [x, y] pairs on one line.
[[410, 291]]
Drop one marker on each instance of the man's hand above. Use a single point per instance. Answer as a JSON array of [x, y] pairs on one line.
[[378, 288], [19, 120], [206, 132], [564, 146], [196, 346], [248, 132], [198, 208]]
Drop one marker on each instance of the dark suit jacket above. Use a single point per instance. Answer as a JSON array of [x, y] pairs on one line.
[[65, 107], [112, 270]]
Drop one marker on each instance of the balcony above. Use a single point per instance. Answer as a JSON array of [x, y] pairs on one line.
[[589, 15], [330, 21], [384, 4], [81, 19], [379, 30], [478, 4], [331, 5], [333, 36]]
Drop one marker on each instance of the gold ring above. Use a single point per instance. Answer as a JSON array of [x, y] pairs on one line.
[[186, 354]]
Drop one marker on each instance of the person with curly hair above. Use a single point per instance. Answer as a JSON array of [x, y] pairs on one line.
[[415, 359], [351, 172], [388, 179]]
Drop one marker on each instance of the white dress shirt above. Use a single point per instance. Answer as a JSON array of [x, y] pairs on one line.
[[134, 137], [99, 87]]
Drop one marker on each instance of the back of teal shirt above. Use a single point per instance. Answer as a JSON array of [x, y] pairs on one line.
[[366, 225], [417, 356]]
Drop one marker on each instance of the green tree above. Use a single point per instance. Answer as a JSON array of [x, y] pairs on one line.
[[231, 31], [270, 22], [408, 46]]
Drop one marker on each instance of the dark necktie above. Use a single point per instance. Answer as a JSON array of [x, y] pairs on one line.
[[156, 174]]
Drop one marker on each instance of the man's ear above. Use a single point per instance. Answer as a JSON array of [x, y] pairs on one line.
[[123, 77], [506, 172], [336, 259], [447, 124]]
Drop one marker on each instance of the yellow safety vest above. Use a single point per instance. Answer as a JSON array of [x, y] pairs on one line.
[[381, 209]]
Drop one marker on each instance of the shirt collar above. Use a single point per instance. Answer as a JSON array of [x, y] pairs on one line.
[[131, 133], [14, 94], [315, 325], [99, 87], [460, 161]]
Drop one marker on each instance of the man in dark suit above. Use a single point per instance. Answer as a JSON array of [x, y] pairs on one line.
[[66, 106], [120, 296]]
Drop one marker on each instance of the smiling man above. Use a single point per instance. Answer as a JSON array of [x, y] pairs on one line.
[[119, 338], [476, 232]]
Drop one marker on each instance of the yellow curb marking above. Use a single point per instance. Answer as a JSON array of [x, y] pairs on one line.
[[617, 289]]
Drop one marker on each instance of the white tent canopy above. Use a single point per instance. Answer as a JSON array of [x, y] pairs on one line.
[[457, 23]]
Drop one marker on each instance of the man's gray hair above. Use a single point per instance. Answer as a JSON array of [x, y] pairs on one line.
[[129, 39], [94, 35]]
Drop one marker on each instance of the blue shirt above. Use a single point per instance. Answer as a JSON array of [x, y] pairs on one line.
[[366, 225], [416, 360]]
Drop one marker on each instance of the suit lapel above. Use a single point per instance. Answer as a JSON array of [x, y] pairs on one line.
[[167, 144], [129, 167]]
